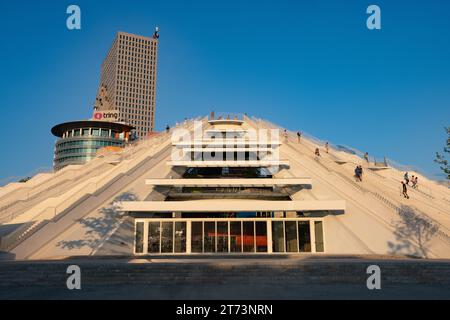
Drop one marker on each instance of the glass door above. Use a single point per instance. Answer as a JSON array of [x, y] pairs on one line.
[[222, 236]]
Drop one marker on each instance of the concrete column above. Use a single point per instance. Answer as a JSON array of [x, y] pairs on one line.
[[188, 236], [229, 240], [313, 235], [269, 236], [145, 237]]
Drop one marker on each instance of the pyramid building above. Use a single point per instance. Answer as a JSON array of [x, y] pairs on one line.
[[224, 185]]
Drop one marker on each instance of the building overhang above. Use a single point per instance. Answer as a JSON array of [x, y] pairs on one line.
[[229, 164], [227, 149], [226, 142], [59, 129], [258, 182], [221, 205], [226, 121]]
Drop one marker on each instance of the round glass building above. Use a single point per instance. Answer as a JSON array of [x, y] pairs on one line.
[[79, 141]]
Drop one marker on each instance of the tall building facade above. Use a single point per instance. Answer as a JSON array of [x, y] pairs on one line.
[[129, 74]]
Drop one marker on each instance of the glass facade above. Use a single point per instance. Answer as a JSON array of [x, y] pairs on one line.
[[229, 236], [78, 146], [295, 236]]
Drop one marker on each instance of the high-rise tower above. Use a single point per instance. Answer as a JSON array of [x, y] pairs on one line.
[[129, 75]]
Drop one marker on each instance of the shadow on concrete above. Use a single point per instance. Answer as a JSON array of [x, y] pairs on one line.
[[6, 229], [121, 242], [98, 227], [4, 255], [413, 234]]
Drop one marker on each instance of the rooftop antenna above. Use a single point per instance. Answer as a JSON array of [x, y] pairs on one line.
[[156, 34]]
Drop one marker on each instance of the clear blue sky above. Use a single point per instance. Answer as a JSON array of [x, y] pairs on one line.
[[308, 65]]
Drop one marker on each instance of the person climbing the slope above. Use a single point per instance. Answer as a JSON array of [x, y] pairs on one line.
[[358, 173], [327, 147], [299, 136], [406, 177], [405, 190], [285, 134], [366, 157], [414, 182]]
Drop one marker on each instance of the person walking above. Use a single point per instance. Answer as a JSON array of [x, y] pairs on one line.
[[405, 190], [285, 134], [358, 173], [366, 157], [357, 177], [167, 128], [299, 136], [327, 147], [414, 182], [406, 177]]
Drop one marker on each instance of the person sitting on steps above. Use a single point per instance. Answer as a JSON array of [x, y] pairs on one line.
[[317, 152]]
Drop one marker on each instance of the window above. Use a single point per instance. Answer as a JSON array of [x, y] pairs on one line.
[[153, 237], [197, 237], [235, 236], [291, 236], [304, 236], [318, 228], [222, 236], [139, 237], [180, 237], [248, 234], [261, 236], [209, 237], [167, 237], [277, 236]]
